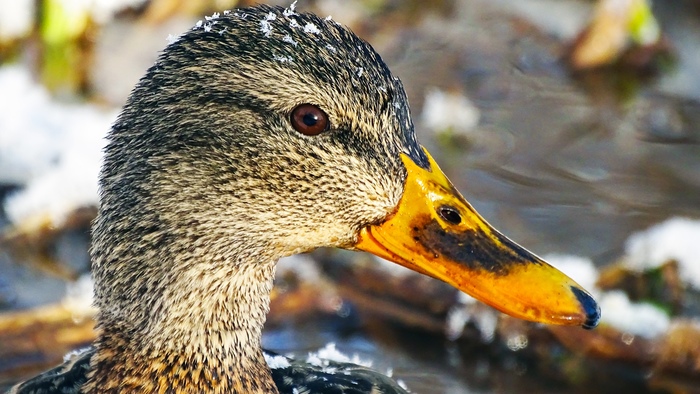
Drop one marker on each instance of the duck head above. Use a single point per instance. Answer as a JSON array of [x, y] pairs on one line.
[[263, 133]]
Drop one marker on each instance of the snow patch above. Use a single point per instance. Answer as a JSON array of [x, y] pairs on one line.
[[55, 156], [79, 296], [636, 318], [329, 353], [276, 362], [674, 239], [444, 111], [16, 18]]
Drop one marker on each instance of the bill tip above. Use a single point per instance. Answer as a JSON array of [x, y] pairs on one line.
[[590, 308]]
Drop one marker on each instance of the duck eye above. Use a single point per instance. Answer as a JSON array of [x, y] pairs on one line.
[[309, 119]]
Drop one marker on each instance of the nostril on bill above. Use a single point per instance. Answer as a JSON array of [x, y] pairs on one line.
[[450, 214]]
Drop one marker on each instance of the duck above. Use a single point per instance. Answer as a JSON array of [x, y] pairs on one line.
[[261, 133]]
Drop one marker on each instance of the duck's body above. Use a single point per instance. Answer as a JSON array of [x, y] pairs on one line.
[[289, 375], [260, 134]]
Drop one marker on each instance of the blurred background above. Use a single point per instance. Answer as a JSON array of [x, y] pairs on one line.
[[573, 126]]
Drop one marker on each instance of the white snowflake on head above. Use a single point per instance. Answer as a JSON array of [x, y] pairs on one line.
[[290, 11], [289, 39], [172, 38], [311, 28], [283, 59], [265, 25]]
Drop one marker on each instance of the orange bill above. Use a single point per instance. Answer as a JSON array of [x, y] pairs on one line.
[[435, 231]]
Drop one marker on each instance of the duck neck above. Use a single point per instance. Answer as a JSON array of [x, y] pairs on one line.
[[196, 328]]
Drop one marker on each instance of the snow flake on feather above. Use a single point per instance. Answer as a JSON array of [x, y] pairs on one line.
[[207, 23], [311, 28], [265, 25], [283, 59], [289, 39], [172, 38], [290, 11]]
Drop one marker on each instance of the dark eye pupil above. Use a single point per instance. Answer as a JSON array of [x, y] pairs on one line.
[[310, 119], [450, 215]]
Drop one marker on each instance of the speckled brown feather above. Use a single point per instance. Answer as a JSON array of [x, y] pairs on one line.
[[205, 184]]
